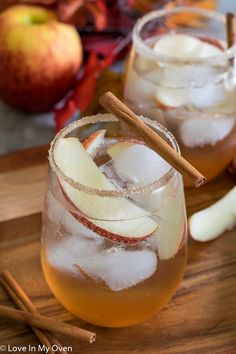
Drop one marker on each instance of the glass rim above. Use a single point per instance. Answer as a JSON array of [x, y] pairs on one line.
[[146, 51], [125, 192]]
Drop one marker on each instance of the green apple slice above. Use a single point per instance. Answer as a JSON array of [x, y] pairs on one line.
[[115, 218]]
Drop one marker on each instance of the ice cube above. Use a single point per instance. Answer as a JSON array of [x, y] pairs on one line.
[[208, 96], [119, 268], [58, 214], [200, 132], [186, 76], [138, 89], [66, 252], [81, 247], [136, 164], [54, 209], [191, 48], [139, 165], [72, 225], [60, 258]]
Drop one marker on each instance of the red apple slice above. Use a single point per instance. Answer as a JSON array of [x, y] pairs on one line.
[[184, 46], [171, 234], [180, 46], [209, 223], [168, 98], [93, 142], [115, 218], [169, 245]]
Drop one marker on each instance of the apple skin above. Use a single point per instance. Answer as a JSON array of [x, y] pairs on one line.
[[39, 57], [128, 240]]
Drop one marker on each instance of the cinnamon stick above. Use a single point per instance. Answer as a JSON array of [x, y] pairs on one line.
[[230, 29], [230, 33], [46, 323], [112, 104], [20, 298]]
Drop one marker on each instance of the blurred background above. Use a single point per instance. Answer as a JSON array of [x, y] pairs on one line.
[[105, 29]]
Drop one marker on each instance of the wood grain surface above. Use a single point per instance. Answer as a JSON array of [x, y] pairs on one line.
[[201, 318]]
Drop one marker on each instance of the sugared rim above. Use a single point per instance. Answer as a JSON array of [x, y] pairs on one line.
[[146, 51], [126, 192]]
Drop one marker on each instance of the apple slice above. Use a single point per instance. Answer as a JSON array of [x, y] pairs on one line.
[[117, 149], [209, 223], [93, 142], [168, 246], [169, 98], [184, 46], [115, 218], [180, 46], [159, 202]]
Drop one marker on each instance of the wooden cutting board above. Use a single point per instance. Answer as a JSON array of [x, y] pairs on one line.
[[201, 318]]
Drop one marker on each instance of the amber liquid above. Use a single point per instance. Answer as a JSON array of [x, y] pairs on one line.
[[94, 302]]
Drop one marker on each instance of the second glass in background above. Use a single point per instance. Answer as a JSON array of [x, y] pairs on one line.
[[181, 75]]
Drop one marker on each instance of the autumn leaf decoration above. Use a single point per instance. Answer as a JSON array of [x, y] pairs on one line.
[[184, 19], [83, 92]]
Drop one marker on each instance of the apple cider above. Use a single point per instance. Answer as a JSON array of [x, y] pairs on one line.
[[184, 78], [114, 224]]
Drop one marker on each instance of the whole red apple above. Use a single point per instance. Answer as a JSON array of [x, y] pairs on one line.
[[39, 57]]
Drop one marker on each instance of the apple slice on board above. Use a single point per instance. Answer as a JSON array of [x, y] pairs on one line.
[[93, 142], [209, 223], [115, 218], [180, 46]]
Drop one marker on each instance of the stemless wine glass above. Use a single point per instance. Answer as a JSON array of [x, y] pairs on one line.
[[114, 228], [181, 74]]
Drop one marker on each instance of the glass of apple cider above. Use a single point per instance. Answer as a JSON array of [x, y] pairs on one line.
[[181, 74], [114, 223]]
